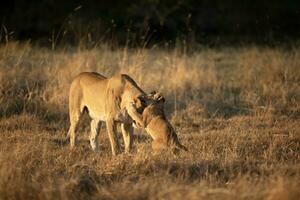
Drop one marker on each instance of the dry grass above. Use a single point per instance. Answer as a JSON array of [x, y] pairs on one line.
[[237, 110]]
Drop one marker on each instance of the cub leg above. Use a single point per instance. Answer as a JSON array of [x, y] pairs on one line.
[[158, 145], [127, 132], [94, 136], [111, 129]]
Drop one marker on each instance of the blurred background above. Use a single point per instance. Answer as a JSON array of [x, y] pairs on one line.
[[209, 22], [230, 73]]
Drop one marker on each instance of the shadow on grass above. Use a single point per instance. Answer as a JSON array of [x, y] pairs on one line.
[[88, 179], [226, 102], [206, 170], [223, 102], [60, 142]]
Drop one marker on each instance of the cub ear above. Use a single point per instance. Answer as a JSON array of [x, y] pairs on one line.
[[152, 94], [159, 97], [162, 99]]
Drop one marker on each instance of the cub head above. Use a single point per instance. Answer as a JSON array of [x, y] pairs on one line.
[[154, 100], [156, 97]]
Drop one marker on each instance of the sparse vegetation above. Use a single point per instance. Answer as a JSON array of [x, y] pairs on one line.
[[236, 109]]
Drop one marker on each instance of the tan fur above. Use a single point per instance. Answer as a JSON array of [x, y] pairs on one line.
[[115, 99], [160, 129]]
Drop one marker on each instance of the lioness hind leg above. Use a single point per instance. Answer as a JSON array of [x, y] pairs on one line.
[[127, 132], [111, 129], [94, 137], [73, 125], [74, 114]]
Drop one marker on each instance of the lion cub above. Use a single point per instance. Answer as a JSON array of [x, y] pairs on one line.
[[156, 124]]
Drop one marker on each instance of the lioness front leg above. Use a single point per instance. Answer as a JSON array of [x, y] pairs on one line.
[[94, 137], [137, 117], [111, 129], [127, 132]]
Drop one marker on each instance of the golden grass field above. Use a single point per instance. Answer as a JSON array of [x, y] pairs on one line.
[[236, 109]]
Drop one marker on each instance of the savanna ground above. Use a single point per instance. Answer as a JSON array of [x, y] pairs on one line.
[[236, 109]]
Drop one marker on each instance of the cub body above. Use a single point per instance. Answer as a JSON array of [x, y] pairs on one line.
[[159, 128]]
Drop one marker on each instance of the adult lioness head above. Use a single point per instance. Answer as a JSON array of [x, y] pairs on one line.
[[159, 128]]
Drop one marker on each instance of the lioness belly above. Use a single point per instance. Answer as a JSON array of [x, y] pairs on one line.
[[95, 107], [99, 116], [94, 95]]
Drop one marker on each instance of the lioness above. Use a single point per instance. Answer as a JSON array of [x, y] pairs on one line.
[[159, 128], [115, 99]]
